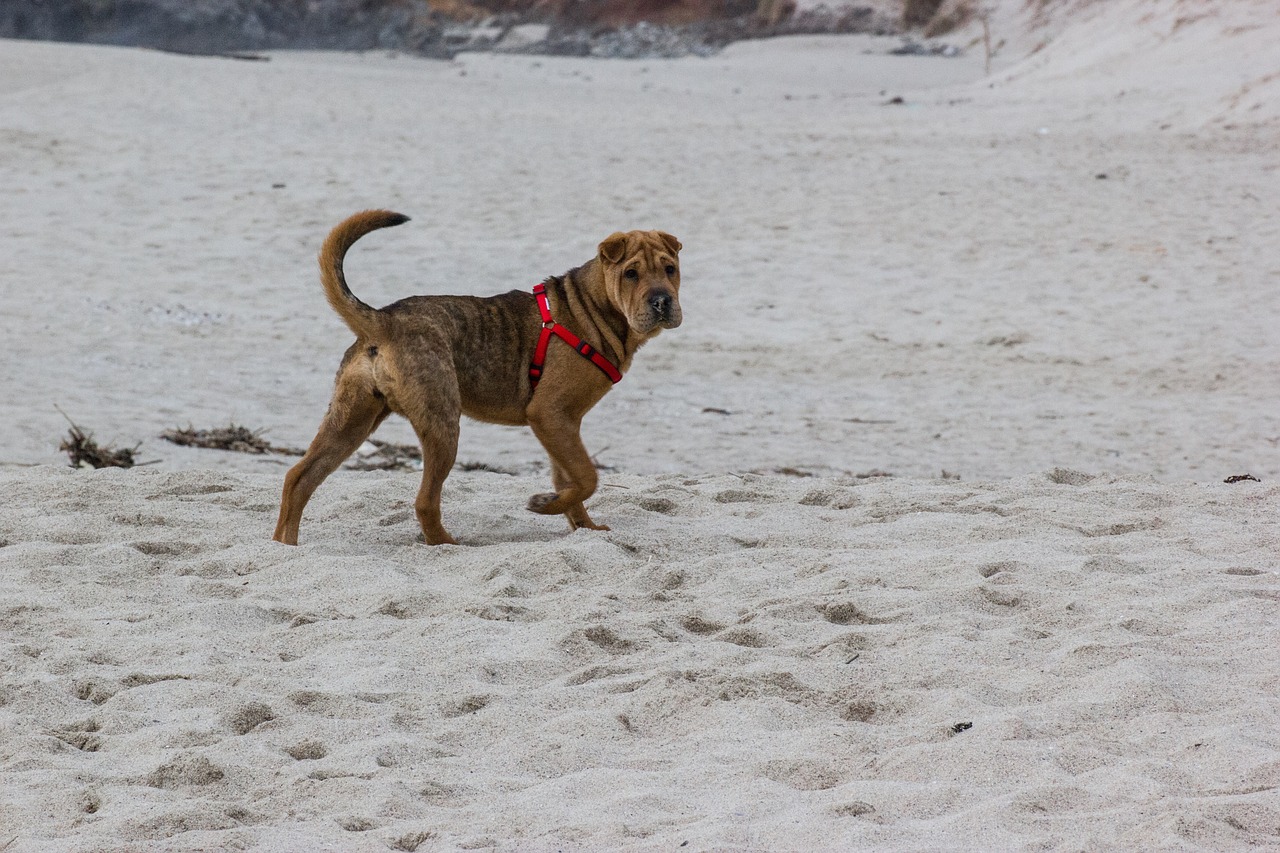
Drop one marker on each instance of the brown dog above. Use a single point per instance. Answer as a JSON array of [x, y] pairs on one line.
[[433, 359]]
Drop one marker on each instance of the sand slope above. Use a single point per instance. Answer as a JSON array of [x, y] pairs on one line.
[[1060, 284]]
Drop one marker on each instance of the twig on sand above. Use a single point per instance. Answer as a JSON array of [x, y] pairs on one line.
[[85, 452], [600, 466], [1240, 478]]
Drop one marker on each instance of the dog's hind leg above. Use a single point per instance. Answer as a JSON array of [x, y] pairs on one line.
[[433, 407], [439, 450], [354, 413]]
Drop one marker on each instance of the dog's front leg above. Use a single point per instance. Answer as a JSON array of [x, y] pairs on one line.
[[572, 472], [576, 514]]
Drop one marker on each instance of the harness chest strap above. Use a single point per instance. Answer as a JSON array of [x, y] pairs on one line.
[[551, 327]]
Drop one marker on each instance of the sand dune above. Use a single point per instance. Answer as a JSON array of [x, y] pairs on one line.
[[1045, 301]]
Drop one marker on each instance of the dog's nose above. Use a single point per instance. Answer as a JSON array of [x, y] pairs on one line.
[[660, 304]]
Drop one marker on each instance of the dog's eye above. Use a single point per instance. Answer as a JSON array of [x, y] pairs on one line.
[[671, 270], [631, 275]]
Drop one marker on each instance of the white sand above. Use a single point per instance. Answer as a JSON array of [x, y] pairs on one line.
[[749, 660]]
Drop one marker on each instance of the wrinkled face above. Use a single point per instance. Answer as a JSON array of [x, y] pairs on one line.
[[642, 276]]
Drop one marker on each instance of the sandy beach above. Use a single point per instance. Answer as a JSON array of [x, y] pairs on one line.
[[920, 540]]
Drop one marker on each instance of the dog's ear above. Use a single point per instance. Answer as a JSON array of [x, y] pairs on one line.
[[614, 247], [672, 244]]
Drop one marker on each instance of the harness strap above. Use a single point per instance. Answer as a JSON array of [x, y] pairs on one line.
[[551, 327]]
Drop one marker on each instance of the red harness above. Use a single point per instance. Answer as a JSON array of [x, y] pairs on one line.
[[551, 327]]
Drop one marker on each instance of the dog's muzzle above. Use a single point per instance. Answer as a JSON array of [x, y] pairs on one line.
[[665, 309]]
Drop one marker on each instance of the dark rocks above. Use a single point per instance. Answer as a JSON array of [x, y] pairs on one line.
[[915, 48], [566, 28], [226, 26]]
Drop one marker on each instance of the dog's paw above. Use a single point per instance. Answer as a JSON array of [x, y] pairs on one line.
[[545, 503]]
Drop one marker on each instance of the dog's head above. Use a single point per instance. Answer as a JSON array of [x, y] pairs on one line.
[[642, 278]]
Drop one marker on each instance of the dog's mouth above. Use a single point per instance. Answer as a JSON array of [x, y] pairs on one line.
[[662, 312], [648, 321]]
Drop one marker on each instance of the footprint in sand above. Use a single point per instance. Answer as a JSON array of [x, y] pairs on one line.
[[745, 637], [187, 770], [248, 717], [858, 711], [466, 705], [831, 498], [413, 607], [857, 808], [90, 802], [801, 775], [695, 624], [738, 496], [607, 639], [166, 549], [93, 691], [594, 673], [663, 506], [1003, 599], [411, 841], [183, 490], [992, 569], [83, 736], [1113, 566], [848, 613], [504, 613], [307, 750], [441, 794]]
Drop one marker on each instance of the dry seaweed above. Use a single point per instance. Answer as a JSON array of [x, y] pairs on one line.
[[385, 456], [84, 452], [237, 439], [484, 466]]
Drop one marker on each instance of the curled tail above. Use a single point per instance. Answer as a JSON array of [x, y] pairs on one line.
[[362, 319]]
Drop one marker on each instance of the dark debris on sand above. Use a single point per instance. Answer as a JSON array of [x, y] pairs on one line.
[[388, 457], [237, 439], [84, 452], [241, 439], [385, 455], [485, 466]]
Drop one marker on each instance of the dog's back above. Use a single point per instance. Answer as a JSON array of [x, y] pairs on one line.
[[490, 338]]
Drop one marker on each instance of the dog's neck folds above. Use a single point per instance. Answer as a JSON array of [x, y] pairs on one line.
[[604, 327]]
